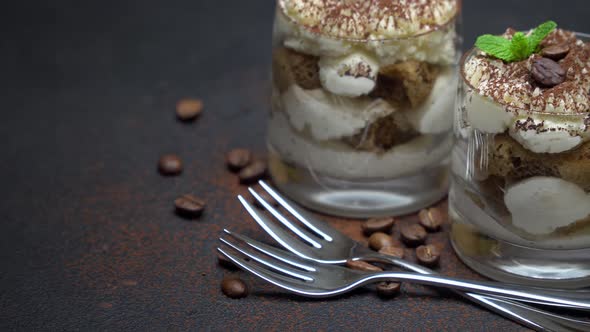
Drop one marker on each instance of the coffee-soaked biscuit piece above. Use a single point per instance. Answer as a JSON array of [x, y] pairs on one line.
[[290, 67], [509, 159], [383, 134], [416, 77]]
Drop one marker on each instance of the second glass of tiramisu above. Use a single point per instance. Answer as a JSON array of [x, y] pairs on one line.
[[363, 96], [520, 197]]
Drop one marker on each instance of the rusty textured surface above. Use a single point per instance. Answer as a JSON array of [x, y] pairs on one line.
[[88, 237]]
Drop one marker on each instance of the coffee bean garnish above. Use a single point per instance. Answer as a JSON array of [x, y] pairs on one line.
[[170, 164], [237, 159], [379, 240], [362, 266], [234, 288], [547, 72], [392, 251], [431, 219], [374, 225], [253, 172], [428, 255], [555, 52], [188, 109], [189, 206], [388, 289], [413, 235], [267, 197]]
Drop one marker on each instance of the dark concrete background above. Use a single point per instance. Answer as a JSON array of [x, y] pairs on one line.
[[88, 239]]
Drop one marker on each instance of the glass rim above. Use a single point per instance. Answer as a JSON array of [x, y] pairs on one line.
[[472, 50], [435, 28]]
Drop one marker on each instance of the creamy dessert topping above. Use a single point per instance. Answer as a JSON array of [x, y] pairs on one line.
[[542, 112], [370, 19]]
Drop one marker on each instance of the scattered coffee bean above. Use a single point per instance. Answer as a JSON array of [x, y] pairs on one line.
[[431, 219], [555, 52], [388, 289], [362, 266], [547, 72], [237, 159], [428, 255], [234, 287], [105, 305], [253, 172], [188, 109], [267, 197], [170, 164], [129, 282], [379, 240], [392, 251], [189, 205], [413, 235], [374, 225]]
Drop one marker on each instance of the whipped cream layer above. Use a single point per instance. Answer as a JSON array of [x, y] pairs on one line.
[[336, 159], [501, 97], [436, 46], [327, 116], [350, 76], [543, 205], [435, 115]]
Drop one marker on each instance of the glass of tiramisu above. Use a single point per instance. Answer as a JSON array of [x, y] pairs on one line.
[[520, 196], [363, 97]]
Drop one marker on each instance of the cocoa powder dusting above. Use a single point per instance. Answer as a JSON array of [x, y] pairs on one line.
[[511, 85]]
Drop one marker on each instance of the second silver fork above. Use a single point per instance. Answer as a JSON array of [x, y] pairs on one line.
[[318, 242]]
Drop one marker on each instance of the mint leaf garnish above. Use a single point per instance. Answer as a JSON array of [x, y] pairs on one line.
[[539, 34], [496, 46], [519, 47]]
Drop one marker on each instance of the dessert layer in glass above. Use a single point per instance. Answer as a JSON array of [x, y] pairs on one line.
[[370, 101], [523, 155]]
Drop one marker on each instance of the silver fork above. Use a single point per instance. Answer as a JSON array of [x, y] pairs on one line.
[[329, 246], [313, 279]]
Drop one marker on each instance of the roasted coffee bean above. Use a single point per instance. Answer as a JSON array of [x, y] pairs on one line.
[[392, 251], [374, 225], [547, 72], [431, 219], [234, 287], [189, 205], [253, 172], [413, 235], [170, 164], [188, 109], [237, 159], [379, 240], [267, 197], [428, 255], [556, 52], [388, 289], [362, 266]]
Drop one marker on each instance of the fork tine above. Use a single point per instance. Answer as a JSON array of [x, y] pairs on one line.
[[319, 228], [280, 235], [273, 252], [293, 285], [271, 263], [295, 229]]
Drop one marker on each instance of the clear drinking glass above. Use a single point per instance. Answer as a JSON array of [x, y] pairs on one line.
[[520, 215], [363, 97]]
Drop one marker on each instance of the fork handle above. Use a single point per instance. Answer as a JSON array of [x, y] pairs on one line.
[[566, 299], [531, 317], [423, 270]]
